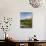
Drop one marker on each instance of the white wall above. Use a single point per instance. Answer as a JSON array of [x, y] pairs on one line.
[[12, 8], [45, 28], [39, 26]]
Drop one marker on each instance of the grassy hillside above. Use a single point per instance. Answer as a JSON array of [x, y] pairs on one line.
[[27, 23]]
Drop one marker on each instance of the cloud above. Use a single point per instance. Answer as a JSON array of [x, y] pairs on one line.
[[27, 17]]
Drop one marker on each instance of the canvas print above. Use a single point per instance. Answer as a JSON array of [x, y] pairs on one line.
[[26, 20]]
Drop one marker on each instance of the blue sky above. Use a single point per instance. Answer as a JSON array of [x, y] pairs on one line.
[[25, 15]]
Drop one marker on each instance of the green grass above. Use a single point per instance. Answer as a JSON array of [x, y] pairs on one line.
[[27, 23]]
